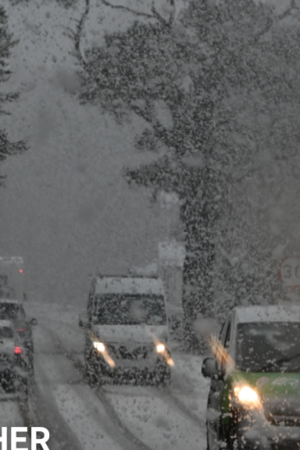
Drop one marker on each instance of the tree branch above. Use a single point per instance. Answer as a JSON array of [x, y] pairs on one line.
[[279, 18], [125, 8], [77, 34]]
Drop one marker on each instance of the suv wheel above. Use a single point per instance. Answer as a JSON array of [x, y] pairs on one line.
[[213, 440]]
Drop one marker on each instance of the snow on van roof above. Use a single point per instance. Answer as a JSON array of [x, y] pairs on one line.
[[122, 285], [276, 313]]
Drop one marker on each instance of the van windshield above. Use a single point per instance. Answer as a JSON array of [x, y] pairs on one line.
[[122, 309], [268, 346]]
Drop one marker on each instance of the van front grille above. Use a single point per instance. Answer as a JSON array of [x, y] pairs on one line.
[[123, 352]]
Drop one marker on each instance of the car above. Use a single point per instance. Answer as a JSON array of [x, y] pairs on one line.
[[13, 310], [126, 332], [14, 362], [254, 395]]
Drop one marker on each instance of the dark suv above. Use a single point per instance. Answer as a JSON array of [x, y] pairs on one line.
[[254, 397], [14, 311], [14, 363]]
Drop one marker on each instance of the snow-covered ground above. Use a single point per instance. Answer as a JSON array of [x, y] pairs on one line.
[[114, 417], [117, 417]]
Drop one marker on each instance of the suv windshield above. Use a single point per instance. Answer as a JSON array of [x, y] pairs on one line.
[[11, 311], [268, 346], [117, 309]]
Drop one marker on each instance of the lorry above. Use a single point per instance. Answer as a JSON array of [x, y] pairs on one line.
[[126, 331]]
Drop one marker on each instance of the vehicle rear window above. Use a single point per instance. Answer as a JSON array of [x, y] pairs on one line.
[[120, 309], [9, 311], [266, 343], [6, 332]]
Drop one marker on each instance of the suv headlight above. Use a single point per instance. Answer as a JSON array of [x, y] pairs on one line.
[[246, 396]]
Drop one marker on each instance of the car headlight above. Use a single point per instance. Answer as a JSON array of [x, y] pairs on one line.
[[160, 348], [246, 396], [99, 346]]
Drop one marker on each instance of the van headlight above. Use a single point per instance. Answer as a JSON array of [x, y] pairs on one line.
[[99, 346], [160, 348]]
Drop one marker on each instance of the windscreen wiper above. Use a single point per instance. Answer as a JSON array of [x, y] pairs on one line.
[[279, 361]]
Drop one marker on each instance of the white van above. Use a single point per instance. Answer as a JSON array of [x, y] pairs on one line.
[[126, 331]]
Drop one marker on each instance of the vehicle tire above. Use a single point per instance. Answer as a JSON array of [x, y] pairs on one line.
[[236, 440], [215, 443], [238, 444]]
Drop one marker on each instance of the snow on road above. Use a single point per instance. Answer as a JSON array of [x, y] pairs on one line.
[[112, 417], [154, 420], [118, 417], [73, 405], [65, 198], [10, 416]]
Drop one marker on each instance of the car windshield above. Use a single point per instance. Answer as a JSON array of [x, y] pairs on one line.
[[6, 332], [116, 309], [268, 346], [9, 311]]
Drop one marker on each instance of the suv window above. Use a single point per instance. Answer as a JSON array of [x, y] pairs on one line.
[[260, 343]]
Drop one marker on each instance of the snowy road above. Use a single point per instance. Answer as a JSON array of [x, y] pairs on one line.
[[112, 417]]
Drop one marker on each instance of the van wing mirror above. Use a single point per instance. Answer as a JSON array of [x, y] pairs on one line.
[[210, 368], [33, 321]]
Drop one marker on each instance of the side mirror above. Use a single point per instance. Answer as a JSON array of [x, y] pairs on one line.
[[210, 368], [33, 321]]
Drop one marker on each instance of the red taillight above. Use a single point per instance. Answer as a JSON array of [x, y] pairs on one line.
[[18, 350], [21, 329], [21, 271]]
